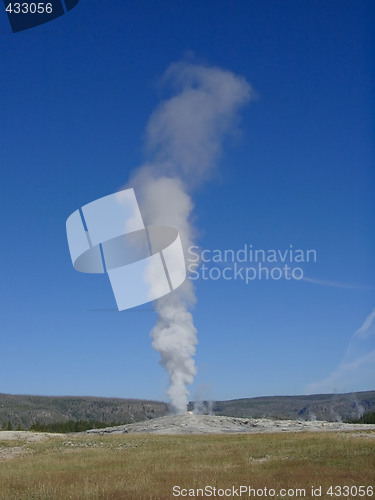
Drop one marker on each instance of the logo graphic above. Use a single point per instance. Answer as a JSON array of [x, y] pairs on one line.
[[143, 263], [24, 15]]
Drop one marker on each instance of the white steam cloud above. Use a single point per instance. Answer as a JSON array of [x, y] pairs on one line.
[[184, 137]]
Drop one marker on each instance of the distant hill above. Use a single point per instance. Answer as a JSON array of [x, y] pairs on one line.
[[24, 411], [330, 407]]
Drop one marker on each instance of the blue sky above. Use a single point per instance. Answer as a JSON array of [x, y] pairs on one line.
[[76, 96]]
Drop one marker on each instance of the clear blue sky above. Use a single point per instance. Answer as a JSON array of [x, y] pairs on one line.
[[75, 97]]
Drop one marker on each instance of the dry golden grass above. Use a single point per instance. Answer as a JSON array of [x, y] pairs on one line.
[[148, 466]]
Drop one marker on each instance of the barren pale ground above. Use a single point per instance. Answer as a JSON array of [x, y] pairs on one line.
[[210, 424], [14, 443]]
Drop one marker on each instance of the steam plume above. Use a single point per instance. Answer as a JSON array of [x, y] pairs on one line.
[[183, 138]]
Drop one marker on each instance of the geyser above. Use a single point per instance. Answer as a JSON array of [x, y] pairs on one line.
[[183, 138]]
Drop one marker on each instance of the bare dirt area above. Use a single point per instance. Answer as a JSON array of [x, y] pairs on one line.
[[209, 424], [23, 436], [14, 443]]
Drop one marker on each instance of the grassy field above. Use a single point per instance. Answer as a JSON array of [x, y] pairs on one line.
[[148, 466]]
